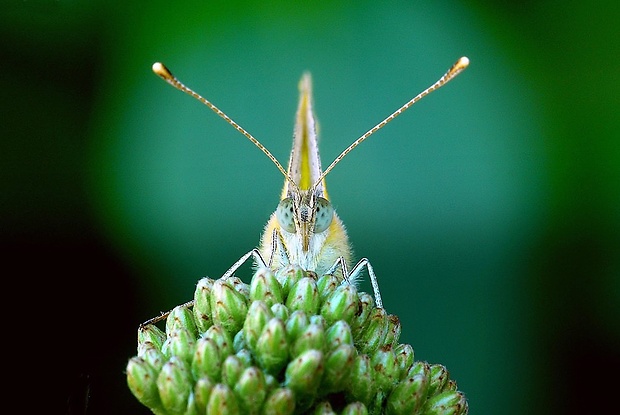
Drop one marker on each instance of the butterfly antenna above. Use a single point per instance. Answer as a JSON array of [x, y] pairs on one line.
[[165, 74], [457, 68]]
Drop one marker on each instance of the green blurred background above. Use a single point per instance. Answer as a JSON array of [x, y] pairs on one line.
[[490, 211]]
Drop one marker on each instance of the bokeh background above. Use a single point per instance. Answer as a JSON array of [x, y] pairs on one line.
[[490, 211]]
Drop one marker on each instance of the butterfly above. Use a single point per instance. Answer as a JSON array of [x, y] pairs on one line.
[[305, 230]]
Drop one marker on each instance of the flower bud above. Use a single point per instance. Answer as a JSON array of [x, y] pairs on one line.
[[419, 368], [313, 337], [373, 335], [153, 356], [361, 382], [239, 342], [303, 374], [222, 401], [289, 342], [323, 408], [232, 368], [181, 317], [174, 385], [272, 347], [251, 390], [295, 325], [258, 315], [271, 382], [318, 320], [450, 386], [288, 276], [338, 364], [142, 381], [338, 334], [265, 287], [180, 343], [150, 334], [355, 408], [202, 304], [383, 360], [394, 329], [404, 358], [327, 284], [228, 307], [408, 396], [280, 401], [192, 406], [438, 379], [280, 311], [304, 296], [221, 338], [207, 360], [245, 356], [202, 393], [366, 305], [446, 403], [341, 304], [240, 286]]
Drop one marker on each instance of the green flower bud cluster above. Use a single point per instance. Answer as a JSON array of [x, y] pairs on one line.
[[288, 343]]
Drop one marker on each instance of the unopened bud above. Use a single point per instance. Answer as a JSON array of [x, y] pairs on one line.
[[438, 379], [383, 360], [222, 401], [151, 334], [408, 396], [202, 393], [404, 358], [288, 276], [355, 408], [258, 315], [174, 385], [394, 329], [272, 346], [373, 335], [313, 337], [180, 343], [142, 381], [341, 304], [303, 374], [181, 317], [228, 307], [202, 304], [295, 325], [280, 401], [207, 360], [265, 287], [361, 387], [338, 334], [304, 296], [251, 390], [446, 403], [338, 364]]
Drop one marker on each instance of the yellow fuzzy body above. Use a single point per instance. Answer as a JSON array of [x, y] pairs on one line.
[[324, 248]]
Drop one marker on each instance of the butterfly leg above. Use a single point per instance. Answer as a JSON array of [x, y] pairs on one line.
[[355, 272], [278, 245], [350, 277], [253, 253]]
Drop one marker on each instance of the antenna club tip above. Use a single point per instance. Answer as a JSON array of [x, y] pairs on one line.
[[462, 63], [160, 70]]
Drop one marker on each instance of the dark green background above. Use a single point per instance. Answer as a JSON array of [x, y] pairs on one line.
[[490, 211]]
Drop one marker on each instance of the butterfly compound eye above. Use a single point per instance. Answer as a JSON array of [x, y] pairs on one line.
[[324, 215], [285, 215]]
